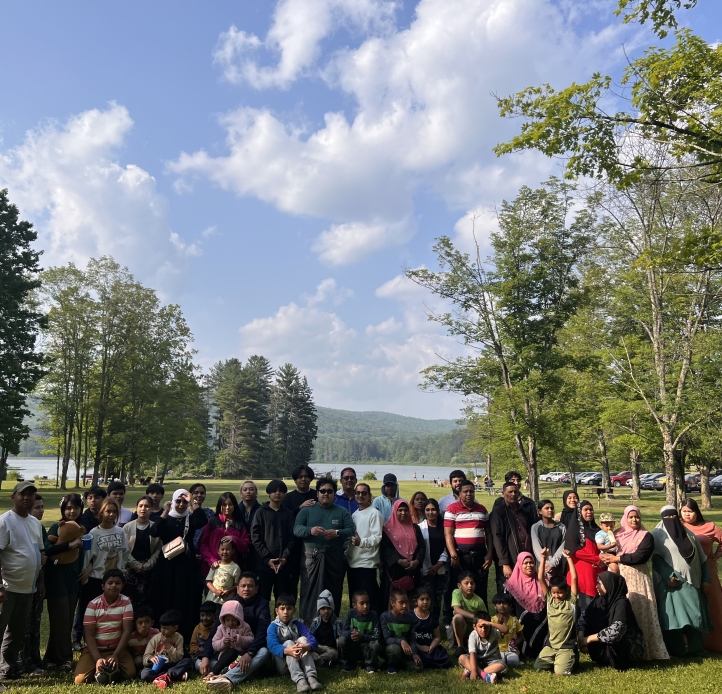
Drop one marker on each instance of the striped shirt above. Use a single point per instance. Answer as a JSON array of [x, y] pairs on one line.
[[469, 526], [108, 619]]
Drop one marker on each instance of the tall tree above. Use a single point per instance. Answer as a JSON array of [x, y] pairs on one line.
[[511, 314], [20, 324]]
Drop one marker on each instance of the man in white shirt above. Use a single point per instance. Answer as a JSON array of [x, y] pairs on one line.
[[21, 541], [116, 491], [364, 550]]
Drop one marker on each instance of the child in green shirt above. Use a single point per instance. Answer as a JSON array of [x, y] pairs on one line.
[[465, 603]]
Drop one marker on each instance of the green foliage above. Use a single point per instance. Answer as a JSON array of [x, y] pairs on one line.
[[369, 476], [661, 12], [20, 325], [347, 424]]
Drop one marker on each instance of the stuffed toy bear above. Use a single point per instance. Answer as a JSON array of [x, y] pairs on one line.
[[67, 532]]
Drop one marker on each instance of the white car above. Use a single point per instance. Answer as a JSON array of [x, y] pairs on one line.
[[547, 477]]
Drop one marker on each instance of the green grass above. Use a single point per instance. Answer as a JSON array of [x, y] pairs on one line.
[[693, 675]]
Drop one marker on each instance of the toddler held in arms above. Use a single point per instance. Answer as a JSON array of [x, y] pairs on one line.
[[606, 542]]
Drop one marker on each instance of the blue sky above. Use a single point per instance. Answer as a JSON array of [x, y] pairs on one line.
[[273, 166]]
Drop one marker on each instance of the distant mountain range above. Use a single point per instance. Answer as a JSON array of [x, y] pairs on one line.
[[349, 424]]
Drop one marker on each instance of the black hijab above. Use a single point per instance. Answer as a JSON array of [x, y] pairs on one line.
[[569, 515], [676, 531], [611, 607], [581, 531]]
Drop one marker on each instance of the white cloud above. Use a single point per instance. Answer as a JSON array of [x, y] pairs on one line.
[[424, 117], [66, 179], [296, 31], [378, 369]]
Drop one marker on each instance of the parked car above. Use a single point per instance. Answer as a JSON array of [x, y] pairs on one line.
[[692, 483], [648, 481], [564, 478], [620, 478], [595, 479], [546, 477], [715, 485], [579, 476], [641, 480], [660, 483], [584, 479]]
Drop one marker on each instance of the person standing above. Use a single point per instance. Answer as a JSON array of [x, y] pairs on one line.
[[364, 550], [143, 553], [468, 539], [116, 491], [21, 542], [529, 506], [226, 521], [549, 534], [324, 528], [435, 568], [249, 503], [417, 506], [456, 479], [389, 494], [511, 532], [346, 496], [273, 542], [581, 542], [94, 498], [707, 533], [301, 497]]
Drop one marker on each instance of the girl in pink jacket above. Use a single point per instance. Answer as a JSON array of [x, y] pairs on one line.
[[232, 637]]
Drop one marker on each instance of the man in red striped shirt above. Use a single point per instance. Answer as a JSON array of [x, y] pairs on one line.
[[468, 538], [108, 626]]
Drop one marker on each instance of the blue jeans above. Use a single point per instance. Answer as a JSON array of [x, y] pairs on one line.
[[236, 676]]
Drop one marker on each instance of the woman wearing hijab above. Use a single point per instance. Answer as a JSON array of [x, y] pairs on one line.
[[580, 542], [708, 533], [680, 571], [530, 605], [608, 629], [228, 520], [570, 501], [175, 581], [402, 552], [635, 546]]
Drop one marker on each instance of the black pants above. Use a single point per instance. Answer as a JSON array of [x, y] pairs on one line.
[[224, 660], [474, 562], [277, 583], [365, 579], [437, 585], [89, 591]]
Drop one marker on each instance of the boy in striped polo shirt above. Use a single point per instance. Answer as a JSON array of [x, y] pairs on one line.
[[108, 625], [468, 539]]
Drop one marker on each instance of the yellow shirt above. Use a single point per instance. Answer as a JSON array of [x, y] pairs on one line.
[[515, 628]]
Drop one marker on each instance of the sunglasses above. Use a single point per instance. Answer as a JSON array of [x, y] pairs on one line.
[[325, 491], [348, 479], [362, 493]]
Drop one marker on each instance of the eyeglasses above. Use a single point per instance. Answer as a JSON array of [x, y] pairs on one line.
[[325, 491], [361, 492], [348, 479]]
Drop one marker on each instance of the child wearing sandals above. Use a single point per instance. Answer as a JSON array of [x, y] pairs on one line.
[[484, 660]]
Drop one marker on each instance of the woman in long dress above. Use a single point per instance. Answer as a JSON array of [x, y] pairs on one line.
[[402, 552], [708, 533], [680, 570], [635, 546], [530, 605], [175, 581]]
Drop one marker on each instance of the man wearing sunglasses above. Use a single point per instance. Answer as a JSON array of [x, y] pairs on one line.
[[324, 528], [346, 496], [364, 551]]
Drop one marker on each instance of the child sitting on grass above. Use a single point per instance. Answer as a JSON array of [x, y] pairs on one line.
[[143, 633], [427, 633], [606, 542], [361, 634], [484, 659], [107, 627], [560, 648], [465, 603], [397, 626], [224, 574], [164, 658], [233, 636], [326, 629], [508, 643], [202, 632], [291, 644]]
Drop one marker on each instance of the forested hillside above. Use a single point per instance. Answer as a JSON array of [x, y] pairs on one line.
[[347, 437]]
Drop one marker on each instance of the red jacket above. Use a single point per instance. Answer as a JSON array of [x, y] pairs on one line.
[[586, 562], [211, 537]]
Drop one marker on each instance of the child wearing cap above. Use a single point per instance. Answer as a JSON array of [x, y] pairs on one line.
[[606, 542], [326, 629]]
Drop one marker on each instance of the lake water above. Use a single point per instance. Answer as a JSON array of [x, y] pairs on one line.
[[40, 467]]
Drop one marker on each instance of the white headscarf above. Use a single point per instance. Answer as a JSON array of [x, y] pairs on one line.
[[173, 513]]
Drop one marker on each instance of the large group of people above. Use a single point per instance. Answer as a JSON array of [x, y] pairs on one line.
[[174, 587]]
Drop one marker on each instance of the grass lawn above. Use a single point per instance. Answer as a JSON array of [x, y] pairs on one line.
[[693, 675]]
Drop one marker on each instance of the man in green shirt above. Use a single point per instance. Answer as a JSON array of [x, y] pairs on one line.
[[324, 529]]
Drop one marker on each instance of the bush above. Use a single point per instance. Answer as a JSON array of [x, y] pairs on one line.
[[13, 475], [370, 476]]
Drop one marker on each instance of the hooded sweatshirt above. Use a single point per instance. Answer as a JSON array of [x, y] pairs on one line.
[[241, 635]]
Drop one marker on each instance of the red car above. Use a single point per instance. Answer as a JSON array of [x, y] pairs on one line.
[[621, 478]]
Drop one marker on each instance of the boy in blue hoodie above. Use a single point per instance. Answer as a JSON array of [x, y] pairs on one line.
[[291, 645], [326, 629]]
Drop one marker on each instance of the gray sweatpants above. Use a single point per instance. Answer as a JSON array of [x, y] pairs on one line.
[[14, 616], [298, 669]]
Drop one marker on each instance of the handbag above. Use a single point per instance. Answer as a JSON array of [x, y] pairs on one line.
[[405, 583], [176, 547]]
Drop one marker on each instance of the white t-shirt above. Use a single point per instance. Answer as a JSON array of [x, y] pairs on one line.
[[21, 540], [126, 515], [109, 550]]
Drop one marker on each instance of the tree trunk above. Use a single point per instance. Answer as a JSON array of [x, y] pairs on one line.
[[488, 465], [704, 489], [679, 459], [57, 468], [532, 468], [634, 463], [4, 453], [601, 442], [670, 469]]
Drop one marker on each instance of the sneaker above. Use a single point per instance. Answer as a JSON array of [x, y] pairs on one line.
[[77, 646], [449, 633], [490, 677], [184, 677], [67, 666], [347, 667], [37, 672], [102, 678], [391, 670], [460, 650], [302, 685], [371, 669], [162, 681], [466, 674], [315, 685], [222, 684]]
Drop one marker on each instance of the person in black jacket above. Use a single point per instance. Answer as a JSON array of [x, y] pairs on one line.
[[273, 542], [510, 531], [257, 614]]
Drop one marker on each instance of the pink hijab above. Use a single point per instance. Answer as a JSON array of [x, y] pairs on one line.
[[402, 535], [525, 589], [627, 539]]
